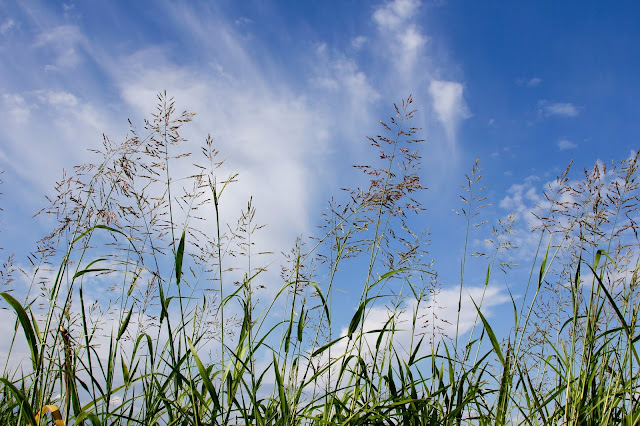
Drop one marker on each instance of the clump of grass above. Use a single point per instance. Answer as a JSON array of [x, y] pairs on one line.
[[183, 337]]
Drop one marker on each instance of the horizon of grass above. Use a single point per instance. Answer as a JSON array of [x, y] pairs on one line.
[[186, 340]]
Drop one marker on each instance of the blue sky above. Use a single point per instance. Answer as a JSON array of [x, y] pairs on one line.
[[289, 90]]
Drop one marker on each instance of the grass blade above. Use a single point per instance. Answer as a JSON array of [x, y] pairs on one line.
[[26, 328], [24, 404], [179, 257]]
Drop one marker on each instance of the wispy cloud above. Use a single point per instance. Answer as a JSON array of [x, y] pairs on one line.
[[396, 22], [59, 98], [16, 107], [535, 81], [449, 105], [358, 42], [61, 46], [393, 15], [559, 109], [243, 20], [266, 135], [6, 26], [529, 82], [335, 72], [565, 144]]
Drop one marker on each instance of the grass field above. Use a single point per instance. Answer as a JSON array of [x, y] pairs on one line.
[[184, 334]]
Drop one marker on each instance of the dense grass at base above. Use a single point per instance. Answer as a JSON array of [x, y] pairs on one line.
[[187, 337]]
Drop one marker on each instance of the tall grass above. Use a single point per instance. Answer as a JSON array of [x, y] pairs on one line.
[[184, 334]]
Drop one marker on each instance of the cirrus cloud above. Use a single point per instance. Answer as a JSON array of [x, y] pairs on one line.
[[565, 144], [559, 109], [449, 105]]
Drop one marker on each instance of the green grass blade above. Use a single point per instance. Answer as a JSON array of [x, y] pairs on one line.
[[204, 375], [543, 267], [124, 324], [26, 328], [179, 257], [26, 407], [355, 321], [281, 391], [490, 333], [324, 303], [301, 323]]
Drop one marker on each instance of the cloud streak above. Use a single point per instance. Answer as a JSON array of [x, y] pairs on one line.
[[449, 105], [565, 144], [557, 109], [400, 34]]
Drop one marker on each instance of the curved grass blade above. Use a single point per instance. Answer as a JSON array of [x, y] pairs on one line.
[[492, 336], [26, 327], [204, 375], [179, 257], [124, 324]]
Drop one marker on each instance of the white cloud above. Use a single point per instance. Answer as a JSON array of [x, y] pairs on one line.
[[337, 72], [522, 197], [529, 82], [412, 40], [560, 109], [564, 144], [6, 26], [530, 201], [16, 107], [346, 87], [396, 22], [59, 98], [63, 42], [275, 139], [358, 42], [60, 35], [394, 14], [449, 105], [525, 199], [533, 82], [55, 128], [244, 21]]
